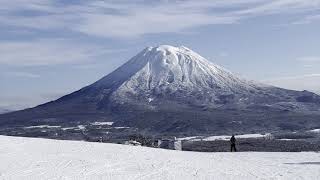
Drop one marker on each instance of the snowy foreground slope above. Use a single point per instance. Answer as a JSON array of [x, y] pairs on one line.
[[28, 158]]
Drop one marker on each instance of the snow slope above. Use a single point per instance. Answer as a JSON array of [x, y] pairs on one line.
[[28, 158], [167, 69], [179, 75], [179, 67]]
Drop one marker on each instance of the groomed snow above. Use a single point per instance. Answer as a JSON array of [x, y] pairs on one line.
[[31, 158]]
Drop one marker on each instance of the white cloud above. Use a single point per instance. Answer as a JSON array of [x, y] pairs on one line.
[[144, 23], [308, 19], [42, 52], [309, 59], [310, 62], [21, 74], [282, 6], [21, 102], [301, 82], [135, 18], [18, 102], [308, 66]]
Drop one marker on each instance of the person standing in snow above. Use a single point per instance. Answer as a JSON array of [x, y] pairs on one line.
[[233, 143]]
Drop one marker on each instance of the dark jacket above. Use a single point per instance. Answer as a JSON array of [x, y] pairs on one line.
[[233, 140]]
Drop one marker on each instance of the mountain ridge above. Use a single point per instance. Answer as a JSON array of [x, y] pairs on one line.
[[174, 90]]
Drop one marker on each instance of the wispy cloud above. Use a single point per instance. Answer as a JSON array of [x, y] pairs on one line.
[[282, 6], [125, 18], [308, 19], [21, 74], [21, 102], [18, 102], [294, 77], [298, 82], [41, 52], [309, 62], [309, 59]]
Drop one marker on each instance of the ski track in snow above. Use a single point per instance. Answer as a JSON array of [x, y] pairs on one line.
[[31, 158]]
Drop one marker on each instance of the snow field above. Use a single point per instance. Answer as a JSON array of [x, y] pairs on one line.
[[31, 158]]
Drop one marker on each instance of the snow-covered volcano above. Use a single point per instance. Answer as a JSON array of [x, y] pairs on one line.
[[168, 89], [172, 73], [174, 68], [167, 74]]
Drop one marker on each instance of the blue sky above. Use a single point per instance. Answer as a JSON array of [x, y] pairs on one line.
[[49, 48]]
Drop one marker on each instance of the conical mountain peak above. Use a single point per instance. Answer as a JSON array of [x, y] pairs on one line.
[[163, 70], [166, 50], [167, 89]]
